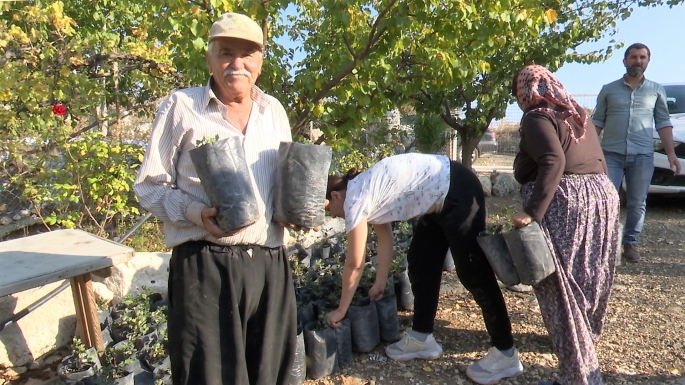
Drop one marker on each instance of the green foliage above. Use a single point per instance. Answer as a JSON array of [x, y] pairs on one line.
[[361, 157], [396, 264], [135, 314], [500, 223], [82, 182], [136, 317], [206, 140], [404, 231], [148, 237], [115, 359], [84, 358], [431, 132], [322, 321], [158, 350]]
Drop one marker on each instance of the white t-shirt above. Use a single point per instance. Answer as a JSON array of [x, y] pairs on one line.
[[397, 188]]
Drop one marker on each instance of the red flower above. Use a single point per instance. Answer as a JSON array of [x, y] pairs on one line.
[[59, 110]]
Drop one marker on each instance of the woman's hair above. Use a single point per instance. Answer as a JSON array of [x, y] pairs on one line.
[[339, 183]]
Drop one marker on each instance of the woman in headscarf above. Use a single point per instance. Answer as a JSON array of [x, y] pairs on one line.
[[449, 199], [566, 189]]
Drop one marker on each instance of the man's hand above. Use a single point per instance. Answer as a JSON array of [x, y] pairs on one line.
[[335, 317], [674, 163], [209, 221], [521, 219]]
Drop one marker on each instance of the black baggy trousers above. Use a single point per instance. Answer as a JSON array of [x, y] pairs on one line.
[[232, 317], [456, 227]]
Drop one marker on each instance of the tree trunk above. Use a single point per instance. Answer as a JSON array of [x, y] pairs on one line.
[[468, 144]]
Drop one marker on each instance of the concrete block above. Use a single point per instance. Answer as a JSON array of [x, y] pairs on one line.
[[144, 269], [48, 327]]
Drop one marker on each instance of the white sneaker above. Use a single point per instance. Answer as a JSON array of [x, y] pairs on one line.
[[409, 348], [521, 288], [494, 367]]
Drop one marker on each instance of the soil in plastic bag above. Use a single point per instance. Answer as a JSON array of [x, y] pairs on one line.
[[343, 335], [225, 177], [68, 373], [388, 323], [365, 329], [321, 348], [405, 296], [301, 188], [530, 253], [299, 372], [306, 314], [497, 252]]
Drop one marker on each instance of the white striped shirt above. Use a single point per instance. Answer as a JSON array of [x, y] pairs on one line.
[[168, 186]]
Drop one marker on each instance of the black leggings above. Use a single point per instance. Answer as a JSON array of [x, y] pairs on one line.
[[456, 227], [232, 316]]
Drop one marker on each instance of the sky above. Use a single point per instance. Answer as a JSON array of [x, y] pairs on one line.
[[661, 29]]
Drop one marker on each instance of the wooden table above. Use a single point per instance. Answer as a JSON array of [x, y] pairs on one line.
[[49, 257]]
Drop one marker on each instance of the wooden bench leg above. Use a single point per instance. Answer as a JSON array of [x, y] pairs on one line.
[[87, 322]]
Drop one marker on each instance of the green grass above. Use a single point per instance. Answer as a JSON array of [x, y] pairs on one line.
[[148, 237]]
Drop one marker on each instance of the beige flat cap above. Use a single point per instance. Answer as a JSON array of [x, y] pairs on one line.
[[238, 26]]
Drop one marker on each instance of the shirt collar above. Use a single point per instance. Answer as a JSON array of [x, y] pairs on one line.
[[642, 81], [258, 96]]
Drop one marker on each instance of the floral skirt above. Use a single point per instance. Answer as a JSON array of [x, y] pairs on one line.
[[581, 227]]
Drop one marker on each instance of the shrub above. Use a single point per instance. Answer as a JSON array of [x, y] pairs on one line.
[[83, 182]]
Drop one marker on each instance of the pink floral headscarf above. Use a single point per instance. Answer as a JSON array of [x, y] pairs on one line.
[[536, 83]]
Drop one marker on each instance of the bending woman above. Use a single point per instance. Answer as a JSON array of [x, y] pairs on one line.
[[450, 200], [566, 189]]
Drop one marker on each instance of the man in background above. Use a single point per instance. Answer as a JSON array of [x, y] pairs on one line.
[[628, 110]]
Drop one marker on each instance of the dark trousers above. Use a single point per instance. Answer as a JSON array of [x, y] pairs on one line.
[[232, 316], [456, 227]]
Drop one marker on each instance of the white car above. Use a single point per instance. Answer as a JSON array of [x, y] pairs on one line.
[[663, 180]]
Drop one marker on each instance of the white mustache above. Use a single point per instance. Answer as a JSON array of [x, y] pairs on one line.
[[243, 72]]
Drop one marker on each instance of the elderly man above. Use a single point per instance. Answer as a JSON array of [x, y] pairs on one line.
[[232, 314]]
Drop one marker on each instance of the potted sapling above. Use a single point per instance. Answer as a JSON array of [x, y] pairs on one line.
[[321, 347], [81, 367], [492, 242], [225, 176], [363, 315], [301, 188]]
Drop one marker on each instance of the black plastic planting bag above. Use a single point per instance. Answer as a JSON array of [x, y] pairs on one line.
[[301, 188], [365, 330], [530, 253], [388, 323], [497, 252], [403, 292], [343, 335], [299, 371], [321, 347], [306, 314], [225, 177]]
